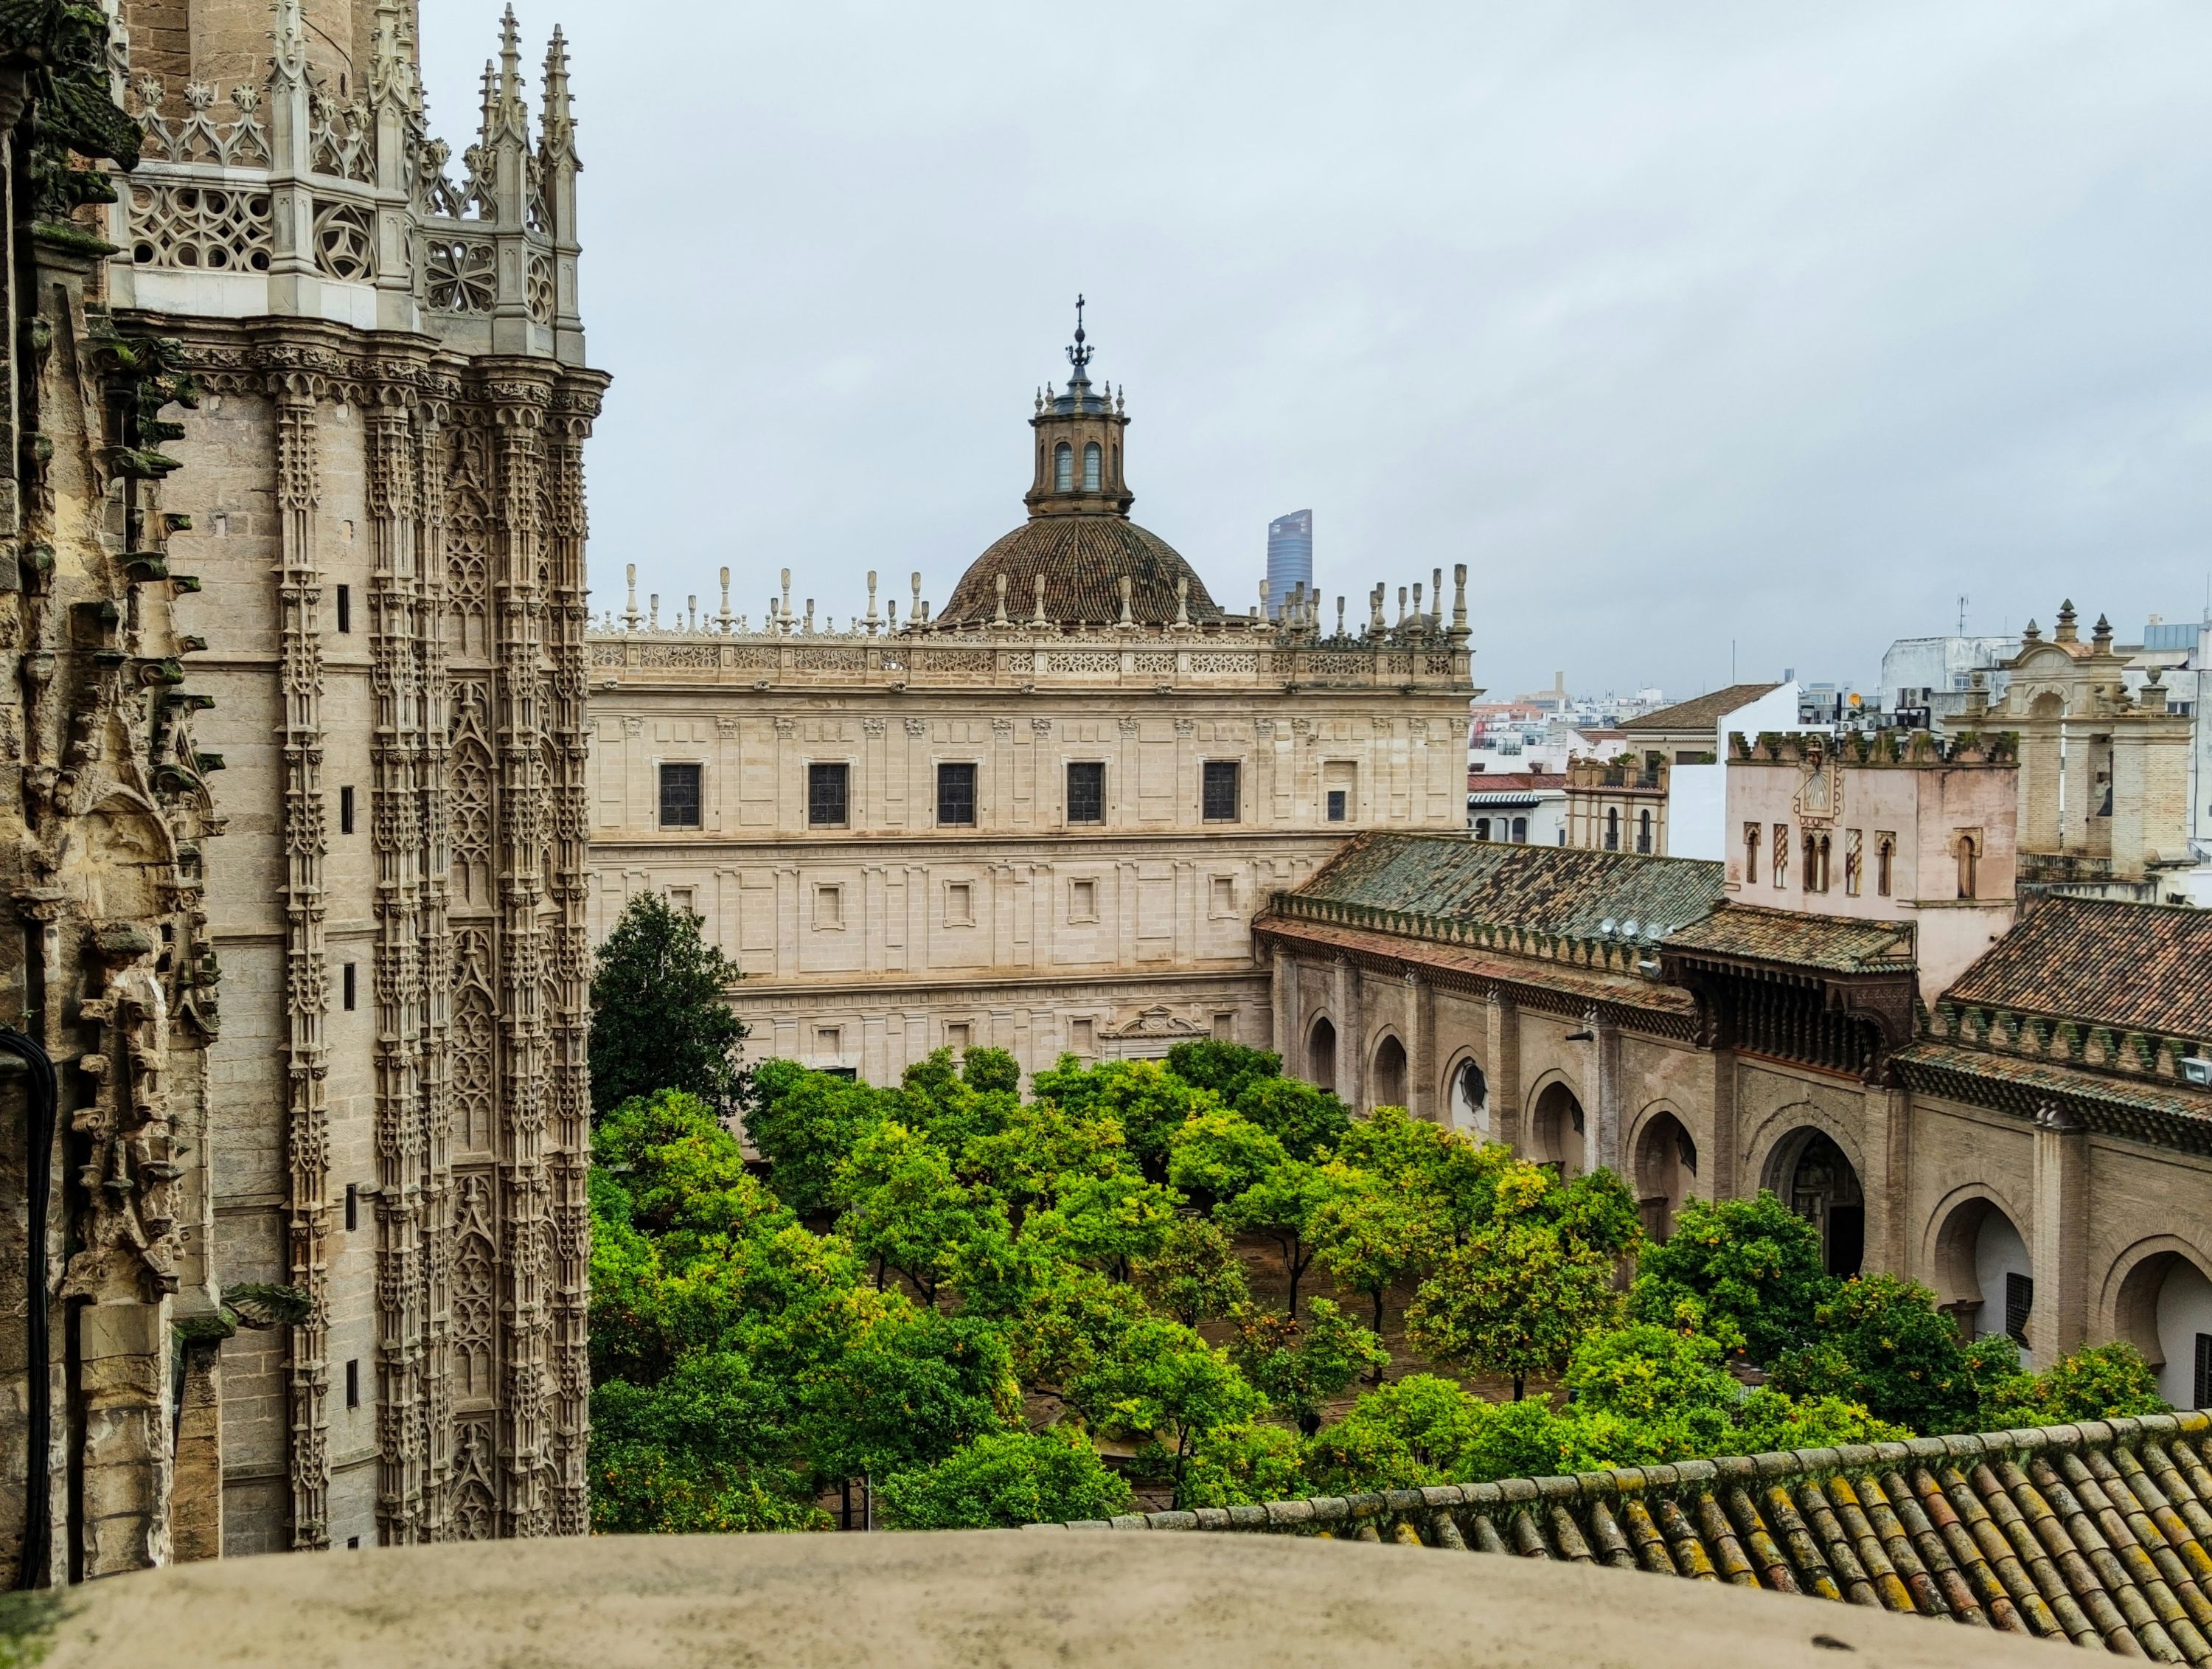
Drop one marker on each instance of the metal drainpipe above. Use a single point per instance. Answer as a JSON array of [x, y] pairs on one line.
[[38, 1370]]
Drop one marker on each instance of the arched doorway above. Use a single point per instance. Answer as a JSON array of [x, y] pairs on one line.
[[2166, 1312], [1469, 1100], [1666, 1172], [1555, 1131], [1815, 1178], [1320, 1054], [1389, 1082], [1987, 1277]]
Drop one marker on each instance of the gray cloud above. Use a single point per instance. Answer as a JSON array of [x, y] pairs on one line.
[[1679, 324]]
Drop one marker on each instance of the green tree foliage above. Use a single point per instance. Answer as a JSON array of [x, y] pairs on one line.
[[1148, 1102], [1513, 1303], [1237, 1464], [904, 1208], [1226, 1069], [1409, 1435], [804, 1124], [1281, 1205], [1195, 1276], [660, 1013], [1164, 1385], [1525, 1285], [1105, 1220], [1305, 1120], [2096, 1383], [1882, 1341], [1299, 1366], [1752, 1267], [991, 1071], [1006, 1479], [970, 1265], [1372, 1233], [1217, 1156]]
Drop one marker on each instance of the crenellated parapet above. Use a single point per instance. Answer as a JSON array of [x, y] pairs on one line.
[[1874, 750]]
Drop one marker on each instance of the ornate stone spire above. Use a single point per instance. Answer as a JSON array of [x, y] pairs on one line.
[[557, 125]]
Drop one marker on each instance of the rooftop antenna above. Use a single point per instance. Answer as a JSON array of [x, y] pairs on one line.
[[1962, 614]]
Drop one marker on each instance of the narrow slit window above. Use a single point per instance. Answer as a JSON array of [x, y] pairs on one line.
[[345, 810], [346, 984], [2019, 1303], [345, 608], [353, 1383], [353, 1207]]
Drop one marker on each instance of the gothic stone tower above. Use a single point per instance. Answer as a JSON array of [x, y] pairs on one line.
[[387, 513]]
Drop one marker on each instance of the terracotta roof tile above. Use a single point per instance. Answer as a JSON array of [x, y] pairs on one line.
[[1561, 891], [1083, 559], [1836, 943], [2097, 1533], [1705, 713], [2139, 967], [1515, 782]]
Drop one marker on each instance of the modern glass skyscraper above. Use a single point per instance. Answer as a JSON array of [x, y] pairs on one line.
[[1290, 557]]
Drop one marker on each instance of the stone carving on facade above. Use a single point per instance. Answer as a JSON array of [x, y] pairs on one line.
[[107, 992], [449, 432]]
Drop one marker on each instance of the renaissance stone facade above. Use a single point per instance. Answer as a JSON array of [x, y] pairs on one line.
[[376, 1234], [1041, 821]]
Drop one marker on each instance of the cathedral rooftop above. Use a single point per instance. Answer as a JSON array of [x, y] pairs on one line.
[[2095, 1534], [944, 1598]]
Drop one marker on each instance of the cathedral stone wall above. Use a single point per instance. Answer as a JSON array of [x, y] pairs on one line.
[[867, 944], [2072, 1193]]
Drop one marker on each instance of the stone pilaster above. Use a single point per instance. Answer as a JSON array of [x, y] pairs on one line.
[[298, 604]]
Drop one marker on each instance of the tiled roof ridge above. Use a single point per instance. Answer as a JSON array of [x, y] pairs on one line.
[[1458, 839], [2121, 1432], [2082, 965], [2096, 1532], [1698, 709]]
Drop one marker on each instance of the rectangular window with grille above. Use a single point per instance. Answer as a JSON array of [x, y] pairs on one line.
[[2019, 1299], [2205, 1370], [1086, 791], [825, 796], [679, 796], [1220, 791], [956, 795], [1338, 805]]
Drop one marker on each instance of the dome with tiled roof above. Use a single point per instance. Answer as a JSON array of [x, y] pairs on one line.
[[1071, 562], [1082, 560]]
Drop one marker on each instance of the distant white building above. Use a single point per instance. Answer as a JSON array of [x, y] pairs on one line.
[[1672, 801], [1936, 673], [1520, 808]]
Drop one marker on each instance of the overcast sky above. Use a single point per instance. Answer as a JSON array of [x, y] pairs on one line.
[[1683, 326]]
